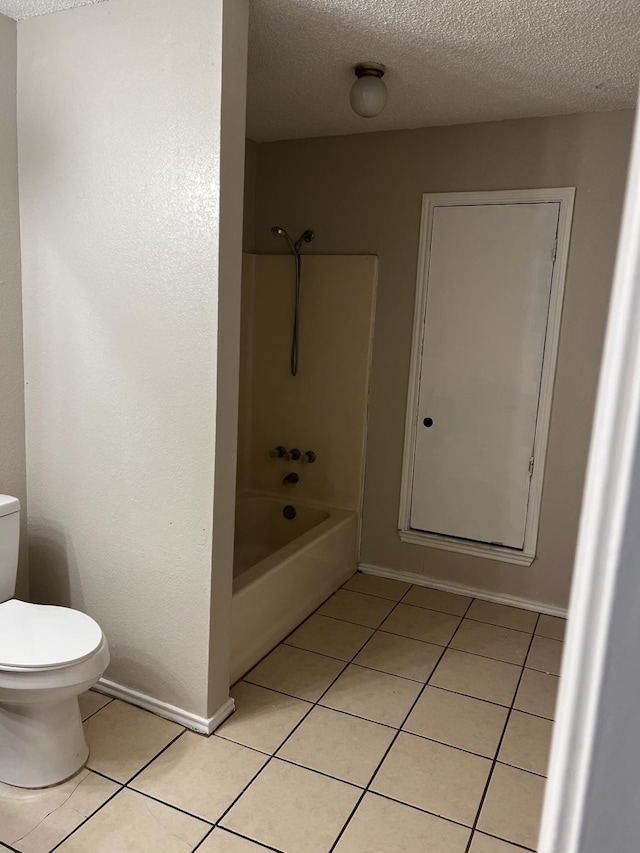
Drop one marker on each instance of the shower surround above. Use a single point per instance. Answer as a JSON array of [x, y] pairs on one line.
[[286, 568]]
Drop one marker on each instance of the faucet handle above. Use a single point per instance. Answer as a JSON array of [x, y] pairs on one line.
[[294, 454], [279, 452], [309, 456]]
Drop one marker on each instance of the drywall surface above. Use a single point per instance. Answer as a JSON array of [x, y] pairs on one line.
[[119, 132], [363, 194], [324, 407], [249, 214], [12, 456], [235, 30]]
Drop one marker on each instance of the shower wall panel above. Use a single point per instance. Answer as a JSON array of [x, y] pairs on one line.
[[324, 407]]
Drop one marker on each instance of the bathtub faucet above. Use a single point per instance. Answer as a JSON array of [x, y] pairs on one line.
[[290, 479]]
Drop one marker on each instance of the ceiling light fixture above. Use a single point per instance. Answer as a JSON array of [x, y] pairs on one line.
[[368, 94]]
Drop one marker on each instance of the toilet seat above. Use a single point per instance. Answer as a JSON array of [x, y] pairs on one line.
[[43, 637]]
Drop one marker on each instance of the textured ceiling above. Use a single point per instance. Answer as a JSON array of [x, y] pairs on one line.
[[449, 61], [19, 9]]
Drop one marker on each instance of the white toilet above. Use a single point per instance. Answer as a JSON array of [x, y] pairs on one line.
[[48, 656]]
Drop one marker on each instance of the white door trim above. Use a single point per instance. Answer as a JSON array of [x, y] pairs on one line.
[[565, 197], [591, 796]]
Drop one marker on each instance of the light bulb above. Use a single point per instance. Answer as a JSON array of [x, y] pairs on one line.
[[368, 94]]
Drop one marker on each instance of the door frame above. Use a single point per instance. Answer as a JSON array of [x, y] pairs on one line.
[[594, 774], [564, 196]]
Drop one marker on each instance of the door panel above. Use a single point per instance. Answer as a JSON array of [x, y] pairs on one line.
[[489, 283]]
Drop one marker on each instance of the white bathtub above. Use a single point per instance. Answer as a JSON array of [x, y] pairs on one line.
[[283, 570]]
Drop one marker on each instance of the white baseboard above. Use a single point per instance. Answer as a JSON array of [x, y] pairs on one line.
[[458, 589], [203, 725]]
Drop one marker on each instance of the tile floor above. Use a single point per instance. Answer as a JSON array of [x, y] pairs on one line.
[[396, 718]]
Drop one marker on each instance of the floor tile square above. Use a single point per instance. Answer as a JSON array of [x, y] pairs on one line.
[[545, 655], [430, 776], [367, 610], [293, 809], [492, 641], [485, 844], [123, 738], [200, 775], [482, 678], [339, 745], [263, 718], [90, 702], [438, 599], [421, 624], [382, 826], [375, 585], [513, 806], [552, 627], [538, 693], [331, 637], [373, 695], [458, 720], [221, 841], [399, 656], [305, 675], [131, 823], [502, 615], [527, 743], [35, 821]]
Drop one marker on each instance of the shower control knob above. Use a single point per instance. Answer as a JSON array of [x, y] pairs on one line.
[[309, 456], [294, 454], [279, 452]]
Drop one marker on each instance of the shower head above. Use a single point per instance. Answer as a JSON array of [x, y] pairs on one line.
[[280, 232], [306, 237]]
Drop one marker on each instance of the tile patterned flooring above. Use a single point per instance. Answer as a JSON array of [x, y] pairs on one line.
[[396, 718]]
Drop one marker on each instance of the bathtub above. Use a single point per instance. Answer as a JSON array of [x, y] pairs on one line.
[[283, 569]]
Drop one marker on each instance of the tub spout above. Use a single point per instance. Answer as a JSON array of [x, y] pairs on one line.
[[290, 479]]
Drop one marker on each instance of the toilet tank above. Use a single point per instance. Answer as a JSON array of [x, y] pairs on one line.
[[9, 544]]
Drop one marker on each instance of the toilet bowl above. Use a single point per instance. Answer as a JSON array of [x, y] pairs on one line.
[[48, 656]]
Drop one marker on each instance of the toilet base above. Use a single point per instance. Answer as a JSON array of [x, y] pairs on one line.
[[41, 744]]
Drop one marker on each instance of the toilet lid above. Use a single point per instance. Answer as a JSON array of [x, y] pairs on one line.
[[41, 636]]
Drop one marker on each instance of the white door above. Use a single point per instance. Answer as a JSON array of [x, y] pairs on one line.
[[488, 287]]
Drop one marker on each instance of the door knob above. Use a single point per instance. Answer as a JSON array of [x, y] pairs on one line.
[[428, 422]]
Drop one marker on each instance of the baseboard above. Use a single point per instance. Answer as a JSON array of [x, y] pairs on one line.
[[496, 597], [203, 725]]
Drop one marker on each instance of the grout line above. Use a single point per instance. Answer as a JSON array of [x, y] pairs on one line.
[[88, 817], [157, 755], [504, 840], [411, 680], [397, 735], [316, 703], [203, 839], [504, 731], [207, 820], [239, 835], [122, 786], [97, 711], [243, 677], [296, 727]]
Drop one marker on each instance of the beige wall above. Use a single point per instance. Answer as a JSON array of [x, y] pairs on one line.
[[12, 455], [250, 175], [362, 194], [324, 407], [120, 150]]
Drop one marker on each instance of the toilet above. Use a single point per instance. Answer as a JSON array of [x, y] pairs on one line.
[[48, 657]]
